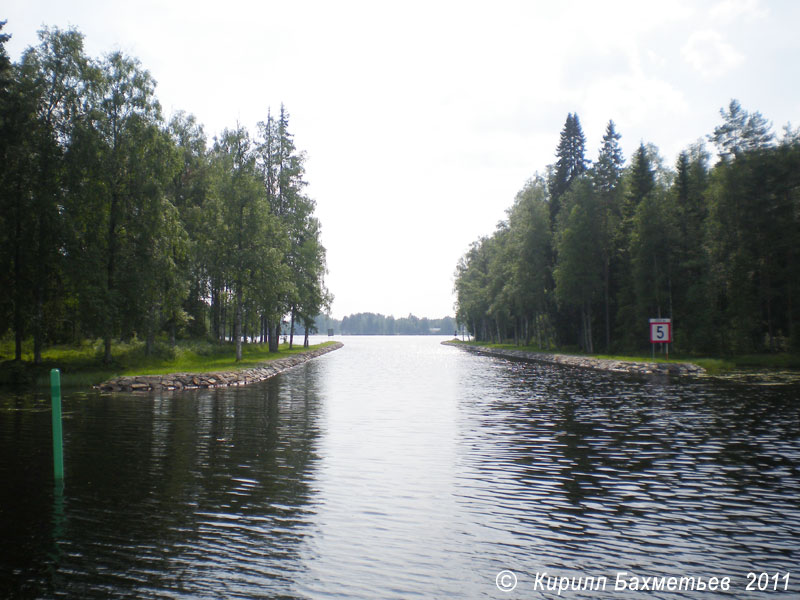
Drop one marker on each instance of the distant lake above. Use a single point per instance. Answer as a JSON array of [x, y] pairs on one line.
[[400, 468]]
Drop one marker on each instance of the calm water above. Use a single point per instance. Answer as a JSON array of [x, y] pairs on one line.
[[400, 468]]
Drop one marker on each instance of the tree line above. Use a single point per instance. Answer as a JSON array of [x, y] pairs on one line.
[[590, 251], [378, 324], [117, 223]]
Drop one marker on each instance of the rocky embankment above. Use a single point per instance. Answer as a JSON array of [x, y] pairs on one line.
[[587, 362], [187, 381]]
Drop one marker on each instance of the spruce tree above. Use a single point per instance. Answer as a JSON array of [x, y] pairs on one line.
[[608, 168], [607, 177], [570, 163], [642, 181], [690, 288]]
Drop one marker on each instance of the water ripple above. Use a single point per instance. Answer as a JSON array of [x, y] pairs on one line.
[[398, 468]]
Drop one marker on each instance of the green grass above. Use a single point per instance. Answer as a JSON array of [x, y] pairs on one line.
[[82, 365], [712, 365], [783, 360]]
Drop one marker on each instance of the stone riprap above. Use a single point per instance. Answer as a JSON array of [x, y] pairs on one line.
[[187, 381], [587, 362]]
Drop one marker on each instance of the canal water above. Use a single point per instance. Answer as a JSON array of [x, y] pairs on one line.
[[400, 468]]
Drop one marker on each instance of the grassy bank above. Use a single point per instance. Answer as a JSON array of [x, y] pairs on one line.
[[710, 364], [82, 365]]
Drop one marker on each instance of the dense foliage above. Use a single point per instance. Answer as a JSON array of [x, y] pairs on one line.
[[588, 253], [115, 223]]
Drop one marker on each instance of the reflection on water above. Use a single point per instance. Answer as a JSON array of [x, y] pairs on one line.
[[399, 468], [660, 478], [202, 492]]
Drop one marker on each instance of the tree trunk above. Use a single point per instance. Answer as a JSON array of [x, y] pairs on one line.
[[215, 311], [273, 334], [589, 341], [291, 331], [150, 334], [150, 342], [606, 292], [527, 330], [38, 329], [237, 323], [768, 301], [107, 349], [18, 320], [110, 272], [18, 343], [789, 303], [539, 335]]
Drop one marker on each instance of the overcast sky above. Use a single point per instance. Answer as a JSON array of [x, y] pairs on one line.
[[421, 120]]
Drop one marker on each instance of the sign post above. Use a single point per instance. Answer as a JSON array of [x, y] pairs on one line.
[[660, 333]]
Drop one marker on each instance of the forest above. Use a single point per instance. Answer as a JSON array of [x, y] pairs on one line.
[[589, 251], [117, 223], [378, 324]]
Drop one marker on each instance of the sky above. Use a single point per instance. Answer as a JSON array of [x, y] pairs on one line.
[[422, 120]]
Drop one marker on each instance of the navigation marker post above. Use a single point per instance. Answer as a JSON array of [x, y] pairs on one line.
[[58, 444], [660, 333]]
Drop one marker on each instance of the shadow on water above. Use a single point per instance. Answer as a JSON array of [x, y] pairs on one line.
[[173, 492]]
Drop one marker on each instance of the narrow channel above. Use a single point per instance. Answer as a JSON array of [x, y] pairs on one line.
[[397, 467]]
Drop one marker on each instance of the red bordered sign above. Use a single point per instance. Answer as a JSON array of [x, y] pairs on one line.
[[660, 331]]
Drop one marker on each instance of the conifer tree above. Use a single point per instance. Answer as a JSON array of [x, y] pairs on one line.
[[691, 280], [741, 132], [570, 163], [607, 177], [608, 168], [641, 182], [578, 271]]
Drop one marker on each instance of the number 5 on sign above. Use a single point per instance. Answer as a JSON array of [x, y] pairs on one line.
[[660, 331]]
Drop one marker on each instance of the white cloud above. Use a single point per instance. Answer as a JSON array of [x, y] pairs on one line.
[[656, 60], [422, 119], [730, 10], [631, 100], [710, 54]]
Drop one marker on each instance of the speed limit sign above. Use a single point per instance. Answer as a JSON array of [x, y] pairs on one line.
[[660, 331]]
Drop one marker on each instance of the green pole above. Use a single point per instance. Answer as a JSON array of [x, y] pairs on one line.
[[58, 444]]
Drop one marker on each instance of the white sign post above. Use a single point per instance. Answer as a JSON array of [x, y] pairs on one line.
[[660, 333]]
